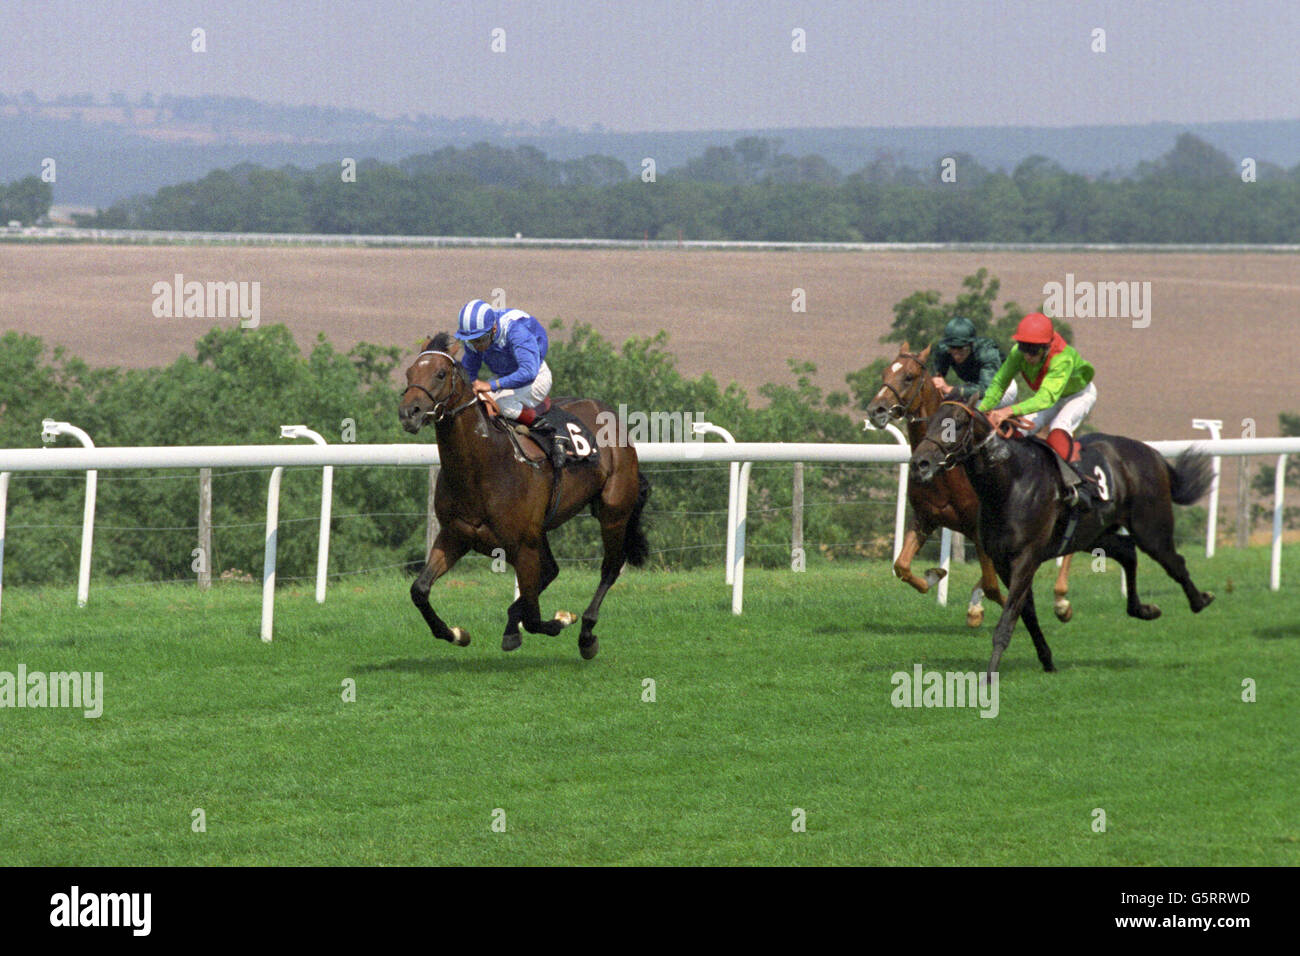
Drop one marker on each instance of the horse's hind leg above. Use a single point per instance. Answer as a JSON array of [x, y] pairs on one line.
[[1156, 538], [1120, 547], [613, 537], [550, 569], [446, 551]]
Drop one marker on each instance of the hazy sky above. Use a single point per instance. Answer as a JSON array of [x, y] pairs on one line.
[[673, 64]]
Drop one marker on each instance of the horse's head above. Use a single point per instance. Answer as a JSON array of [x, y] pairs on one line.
[[434, 383], [905, 390], [954, 433]]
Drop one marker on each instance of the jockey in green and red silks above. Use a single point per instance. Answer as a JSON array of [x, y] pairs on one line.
[[1054, 384]]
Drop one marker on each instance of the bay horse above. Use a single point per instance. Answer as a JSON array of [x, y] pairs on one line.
[[948, 501], [486, 499], [1023, 522]]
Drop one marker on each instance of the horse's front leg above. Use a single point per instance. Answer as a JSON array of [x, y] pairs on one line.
[[1061, 591], [534, 569], [1019, 574], [987, 588], [912, 542], [447, 549]]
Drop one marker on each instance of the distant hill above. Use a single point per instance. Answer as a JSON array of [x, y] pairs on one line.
[[109, 150]]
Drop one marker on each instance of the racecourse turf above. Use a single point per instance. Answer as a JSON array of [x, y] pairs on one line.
[[785, 708]]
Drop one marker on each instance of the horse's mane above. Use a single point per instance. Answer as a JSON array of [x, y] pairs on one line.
[[441, 342]]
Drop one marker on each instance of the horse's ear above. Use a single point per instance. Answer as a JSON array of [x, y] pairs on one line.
[[924, 356], [453, 348], [904, 348]]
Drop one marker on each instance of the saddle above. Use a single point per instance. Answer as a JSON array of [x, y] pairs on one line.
[[554, 435], [1071, 470]]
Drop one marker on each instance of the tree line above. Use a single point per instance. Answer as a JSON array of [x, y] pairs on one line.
[[749, 191]]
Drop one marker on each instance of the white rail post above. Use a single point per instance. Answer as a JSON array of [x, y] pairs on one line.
[[1275, 561], [945, 562], [1214, 425], [742, 509], [708, 428], [50, 430], [4, 508], [900, 509], [796, 516], [268, 559], [326, 504]]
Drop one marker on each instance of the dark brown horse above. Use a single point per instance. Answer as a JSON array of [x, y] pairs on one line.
[[486, 499], [1023, 521], [948, 501]]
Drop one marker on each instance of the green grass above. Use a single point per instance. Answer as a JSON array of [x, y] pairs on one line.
[[787, 706]]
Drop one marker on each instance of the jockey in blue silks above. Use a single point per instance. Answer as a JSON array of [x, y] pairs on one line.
[[513, 345]]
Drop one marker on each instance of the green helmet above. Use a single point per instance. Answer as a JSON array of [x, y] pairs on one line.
[[957, 333]]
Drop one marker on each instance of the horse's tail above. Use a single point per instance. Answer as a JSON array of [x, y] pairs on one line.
[[1190, 477], [635, 546]]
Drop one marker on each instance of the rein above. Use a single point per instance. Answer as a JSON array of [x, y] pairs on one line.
[[968, 446]]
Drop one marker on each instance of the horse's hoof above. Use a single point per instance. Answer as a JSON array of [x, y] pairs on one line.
[[511, 642], [1064, 610], [565, 617], [589, 649], [1207, 598], [934, 575], [1147, 612], [975, 615], [460, 637], [1049, 667]]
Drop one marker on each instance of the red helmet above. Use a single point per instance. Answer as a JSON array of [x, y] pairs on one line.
[[1035, 329]]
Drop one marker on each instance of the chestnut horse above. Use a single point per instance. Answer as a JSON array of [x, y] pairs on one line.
[[948, 501], [486, 499], [1023, 521]]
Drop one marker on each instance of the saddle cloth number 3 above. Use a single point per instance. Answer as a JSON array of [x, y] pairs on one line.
[[580, 444], [1102, 488]]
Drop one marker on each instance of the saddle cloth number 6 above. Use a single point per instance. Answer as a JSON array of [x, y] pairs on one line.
[[580, 444]]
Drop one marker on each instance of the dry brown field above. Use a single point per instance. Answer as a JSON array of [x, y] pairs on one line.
[[1223, 342]]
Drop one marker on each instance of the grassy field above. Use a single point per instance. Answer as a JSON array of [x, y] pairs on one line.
[[788, 706]]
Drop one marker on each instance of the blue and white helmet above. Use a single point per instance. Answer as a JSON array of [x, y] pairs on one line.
[[477, 318]]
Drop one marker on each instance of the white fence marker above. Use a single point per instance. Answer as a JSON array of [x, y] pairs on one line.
[[50, 429], [268, 559], [708, 428], [1275, 560], [326, 504], [1212, 524], [4, 507]]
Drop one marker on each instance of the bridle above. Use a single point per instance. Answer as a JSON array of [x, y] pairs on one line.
[[439, 411], [914, 392], [966, 445]]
